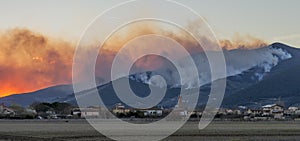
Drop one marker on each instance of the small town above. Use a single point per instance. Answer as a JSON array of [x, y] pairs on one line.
[[57, 110]]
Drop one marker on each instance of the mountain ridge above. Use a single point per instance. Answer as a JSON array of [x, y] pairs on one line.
[[239, 90]]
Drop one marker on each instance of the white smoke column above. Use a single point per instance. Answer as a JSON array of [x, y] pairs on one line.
[[237, 61]]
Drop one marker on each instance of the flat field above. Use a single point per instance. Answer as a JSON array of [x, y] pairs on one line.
[[80, 130]]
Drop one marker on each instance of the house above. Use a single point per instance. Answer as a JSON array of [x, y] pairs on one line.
[[76, 113], [120, 109], [5, 111], [293, 109], [153, 112], [254, 111], [275, 110], [90, 112]]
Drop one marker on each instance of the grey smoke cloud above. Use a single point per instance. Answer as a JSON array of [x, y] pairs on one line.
[[237, 62]]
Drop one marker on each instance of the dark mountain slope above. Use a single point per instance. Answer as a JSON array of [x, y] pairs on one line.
[[242, 89], [281, 83], [51, 94]]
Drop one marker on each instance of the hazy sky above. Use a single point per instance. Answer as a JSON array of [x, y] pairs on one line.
[[271, 20]]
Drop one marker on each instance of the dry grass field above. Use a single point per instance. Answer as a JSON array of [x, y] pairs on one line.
[[80, 130]]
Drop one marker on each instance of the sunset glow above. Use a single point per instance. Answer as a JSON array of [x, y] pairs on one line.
[[38, 52], [31, 61]]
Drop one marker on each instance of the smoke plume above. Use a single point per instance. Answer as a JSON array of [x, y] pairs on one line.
[[242, 42], [237, 62], [30, 61]]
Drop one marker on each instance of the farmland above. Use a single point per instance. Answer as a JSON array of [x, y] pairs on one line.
[[219, 130]]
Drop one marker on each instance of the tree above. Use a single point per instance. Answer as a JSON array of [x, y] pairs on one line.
[[57, 107], [17, 109], [62, 108], [21, 112], [41, 107]]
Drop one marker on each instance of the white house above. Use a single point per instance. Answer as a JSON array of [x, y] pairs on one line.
[[273, 110], [6, 111], [293, 109], [90, 112], [120, 109], [153, 112]]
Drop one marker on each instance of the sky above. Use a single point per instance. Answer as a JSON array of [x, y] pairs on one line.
[[37, 38], [270, 20]]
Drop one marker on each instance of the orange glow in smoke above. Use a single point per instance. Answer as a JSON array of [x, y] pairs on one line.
[[30, 61]]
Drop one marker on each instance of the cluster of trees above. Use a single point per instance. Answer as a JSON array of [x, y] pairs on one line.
[[137, 114], [37, 109], [21, 112], [44, 109]]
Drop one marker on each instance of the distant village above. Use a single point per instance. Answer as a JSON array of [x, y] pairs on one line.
[[276, 111]]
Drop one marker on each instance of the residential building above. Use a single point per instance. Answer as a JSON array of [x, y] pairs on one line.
[[90, 112], [274, 110], [5, 111], [120, 109], [293, 109], [153, 112]]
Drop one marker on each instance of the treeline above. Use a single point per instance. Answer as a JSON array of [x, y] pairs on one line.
[[46, 109], [35, 110]]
